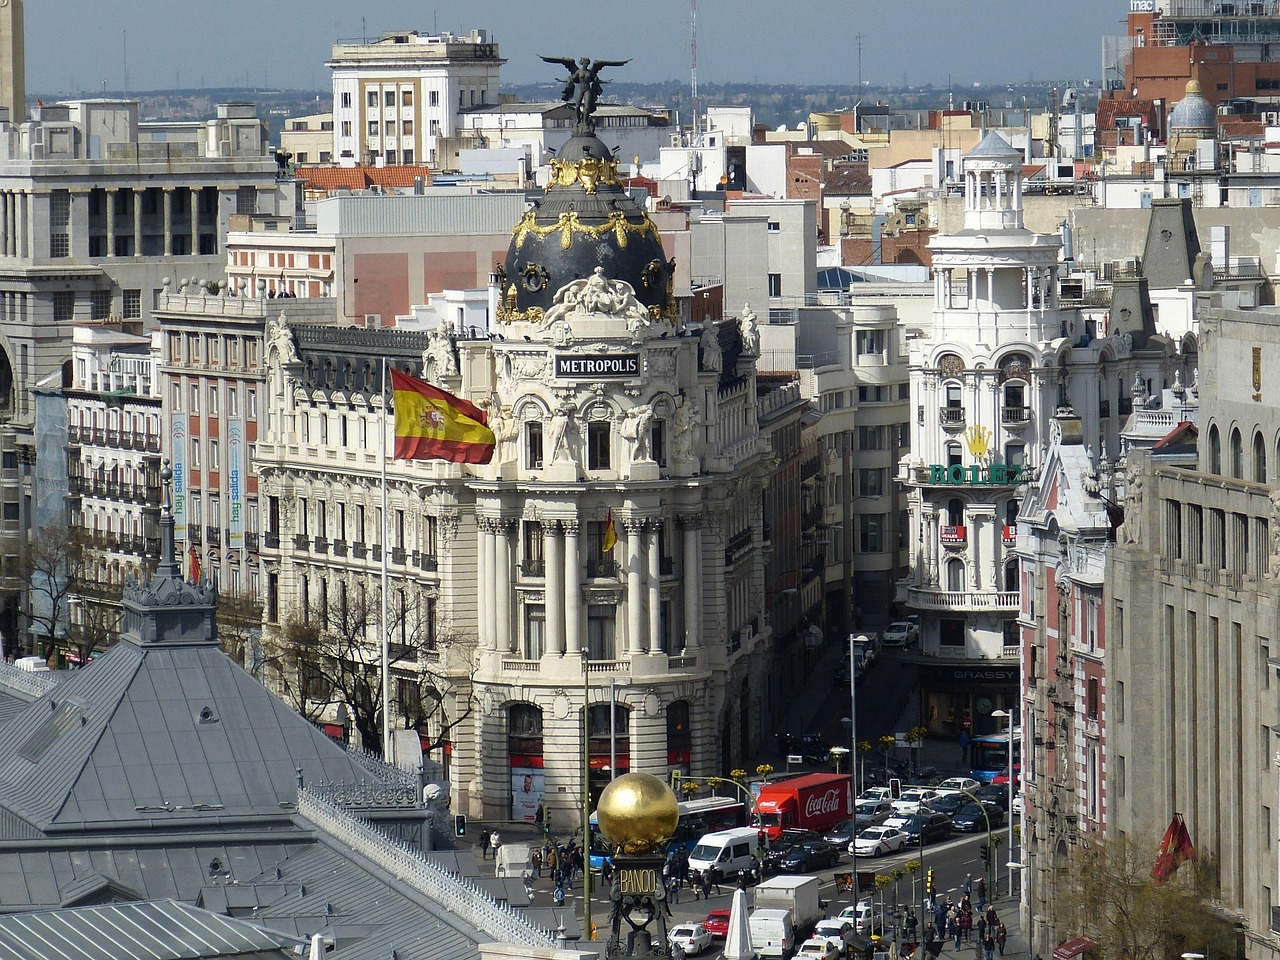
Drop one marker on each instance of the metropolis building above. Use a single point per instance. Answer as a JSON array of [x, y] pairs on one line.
[[614, 548]]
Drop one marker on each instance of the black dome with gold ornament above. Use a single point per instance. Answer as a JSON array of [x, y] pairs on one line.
[[585, 220]]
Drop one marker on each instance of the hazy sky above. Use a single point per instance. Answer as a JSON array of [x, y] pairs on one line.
[[75, 45]]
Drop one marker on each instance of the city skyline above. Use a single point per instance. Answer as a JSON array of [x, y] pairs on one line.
[[147, 48]]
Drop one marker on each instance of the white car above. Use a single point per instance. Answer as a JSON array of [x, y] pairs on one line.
[[693, 938], [1016, 807], [863, 918], [877, 841], [959, 784], [834, 930], [876, 793], [898, 820], [912, 800], [821, 948], [900, 633]]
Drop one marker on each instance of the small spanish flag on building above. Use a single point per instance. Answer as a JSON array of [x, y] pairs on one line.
[[434, 425], [193, 564], [610, 535]]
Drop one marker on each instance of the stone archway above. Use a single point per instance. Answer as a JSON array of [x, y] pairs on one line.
[[7, 394]]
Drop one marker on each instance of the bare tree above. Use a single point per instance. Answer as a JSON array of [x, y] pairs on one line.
[[95, 621], [1116, 901], [239, 619], [334, 656], [52, 565]]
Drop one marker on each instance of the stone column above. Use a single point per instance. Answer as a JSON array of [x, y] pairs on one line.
[[484, 605], [137, 227], [991, 288], [655, 588], [110, 196], [26, 225], [502, 585], [6, 231], [193, 198], [974, 548], [635, 586], [553, 566], [574, 612], [691, 579], [168, 221]]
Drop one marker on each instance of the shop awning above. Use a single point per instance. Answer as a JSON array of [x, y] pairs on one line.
[[1073, 948]]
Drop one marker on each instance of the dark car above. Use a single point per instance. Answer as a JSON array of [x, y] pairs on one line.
[[717, 923], [936, 826], [839, 835], [970, 818], [813, 748], [949, 802], [995, 796], [785, 843], [806, 857]]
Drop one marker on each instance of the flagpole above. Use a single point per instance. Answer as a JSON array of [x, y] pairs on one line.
[[386, 626]]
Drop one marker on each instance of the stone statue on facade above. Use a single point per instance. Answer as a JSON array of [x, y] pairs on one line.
[[686, 421], [637, 427], [749, 331], [504, 426], [712, 355], [599, 295], [280, 339], [439, 356], [558, 442]]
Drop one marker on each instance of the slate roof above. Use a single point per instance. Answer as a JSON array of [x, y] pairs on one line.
[[123, 744], [165, 930]]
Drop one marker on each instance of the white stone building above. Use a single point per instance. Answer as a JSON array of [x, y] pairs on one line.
[[1002, 356], [607, 411]]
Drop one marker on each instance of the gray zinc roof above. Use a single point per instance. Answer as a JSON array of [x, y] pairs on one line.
[[993, 147], [162, 930], [149, 736]]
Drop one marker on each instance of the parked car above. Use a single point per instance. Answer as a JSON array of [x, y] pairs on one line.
[[970, 818], [867, 813], [820, 948], [898, 820], [783, 845], [865, 919], [995, 795], [900, 633], [717, 924], [948, 803], [1016, 809], [839, 931], [806, 857], [913, 799], [1002, 778], [876, 793], [693, 938], [839, 836], [935, 826], [877, 841], [961, 783]]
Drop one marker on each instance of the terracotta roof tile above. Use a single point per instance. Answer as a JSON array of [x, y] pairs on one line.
[[362, 178]]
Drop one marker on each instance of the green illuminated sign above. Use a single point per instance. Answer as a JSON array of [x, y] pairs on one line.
[[998, 474]]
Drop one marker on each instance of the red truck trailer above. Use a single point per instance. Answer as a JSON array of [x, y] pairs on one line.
[[815, 801]]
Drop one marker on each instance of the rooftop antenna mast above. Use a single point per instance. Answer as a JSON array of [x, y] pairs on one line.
[[693, 66]]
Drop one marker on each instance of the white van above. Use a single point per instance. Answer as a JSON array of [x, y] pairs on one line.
[[772, 933], [726, 851]]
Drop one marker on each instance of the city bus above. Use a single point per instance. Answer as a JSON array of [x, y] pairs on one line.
[[697, 818], [989, 755]]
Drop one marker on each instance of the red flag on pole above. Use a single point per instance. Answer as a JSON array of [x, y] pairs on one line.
[[194, 564], [1175, 849]]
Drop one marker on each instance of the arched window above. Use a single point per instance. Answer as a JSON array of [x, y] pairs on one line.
[[1259, 459], [1237, 454], [1215, 449], [1011, 576], [955, 512], [954, 456], [679, 735], [955, 575]]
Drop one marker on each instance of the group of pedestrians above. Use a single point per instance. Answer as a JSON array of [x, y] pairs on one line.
[[960, 922], [490, 843]]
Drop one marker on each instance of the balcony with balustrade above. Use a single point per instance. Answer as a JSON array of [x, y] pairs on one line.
[[927, 598], [951, 418]]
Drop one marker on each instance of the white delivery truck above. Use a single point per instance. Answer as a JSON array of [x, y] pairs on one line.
[[797, 894]]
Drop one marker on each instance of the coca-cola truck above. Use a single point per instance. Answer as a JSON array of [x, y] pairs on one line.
[[815, 801]]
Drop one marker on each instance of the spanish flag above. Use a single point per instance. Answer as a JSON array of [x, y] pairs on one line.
[[1175, 849], [193, 564], [610, 535], [434, 425]]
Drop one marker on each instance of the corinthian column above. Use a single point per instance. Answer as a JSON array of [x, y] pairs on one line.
[[654, 644], [573, 612], [553, 565], [635, 586]]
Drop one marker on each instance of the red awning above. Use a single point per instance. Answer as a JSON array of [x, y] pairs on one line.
[[334, 731], [1073, 948]]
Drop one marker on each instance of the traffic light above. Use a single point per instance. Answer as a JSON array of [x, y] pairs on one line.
[[460, 825], [760, 838], [929, 888], [895, 788], [985, 850]]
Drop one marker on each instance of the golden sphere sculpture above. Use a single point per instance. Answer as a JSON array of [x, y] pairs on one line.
[[637, 813]]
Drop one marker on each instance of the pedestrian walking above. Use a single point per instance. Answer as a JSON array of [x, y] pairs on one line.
[[706, 883], [484, 844], [673, 890], [953, 927], [982, 893], [715, 881], [1002, 935], [966, 924], [982, 927], [535, 861], [988, 947], [495, 843], [968, 885]]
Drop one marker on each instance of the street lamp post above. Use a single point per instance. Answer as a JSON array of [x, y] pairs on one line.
[[853, 747], [1008, 714], [586, 793]]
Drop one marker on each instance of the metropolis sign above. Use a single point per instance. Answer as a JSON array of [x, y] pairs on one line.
[[998, 474], [604, 365]]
